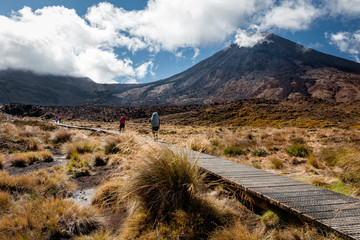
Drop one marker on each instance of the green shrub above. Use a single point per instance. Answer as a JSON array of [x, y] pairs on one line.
[[271, 219], [298, 151], [259, 153], [234, 150]]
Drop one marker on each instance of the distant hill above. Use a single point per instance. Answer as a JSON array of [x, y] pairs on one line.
[[275, 69], [304, 112]]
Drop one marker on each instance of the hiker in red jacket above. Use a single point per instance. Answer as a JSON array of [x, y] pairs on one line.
[[122, 123]]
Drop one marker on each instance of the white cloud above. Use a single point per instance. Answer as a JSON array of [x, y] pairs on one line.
[[243, 39], [291, 15], [55, 40], [169, 25], [345, 8], [348, 42]]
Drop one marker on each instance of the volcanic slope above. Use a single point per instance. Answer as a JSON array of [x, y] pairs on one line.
[[274, 69]]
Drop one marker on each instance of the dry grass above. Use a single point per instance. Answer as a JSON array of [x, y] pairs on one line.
[[120, 144], [48, 219], [41, 183], [5, 201], [171, 199], [28, 158], [237, 231], [2, 161], [62, 136], [110, 194], [99, 235]]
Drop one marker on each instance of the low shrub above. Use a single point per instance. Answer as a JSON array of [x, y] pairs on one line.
[[259, 153], [298, 151], [276, 163], [234, 151], [271, 219]]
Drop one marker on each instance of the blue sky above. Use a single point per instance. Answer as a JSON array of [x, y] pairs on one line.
[[137, 41]]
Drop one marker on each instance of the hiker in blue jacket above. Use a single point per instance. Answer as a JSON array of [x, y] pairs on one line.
[[155, 124]]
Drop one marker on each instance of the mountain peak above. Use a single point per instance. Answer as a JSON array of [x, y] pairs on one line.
[[272, 68]]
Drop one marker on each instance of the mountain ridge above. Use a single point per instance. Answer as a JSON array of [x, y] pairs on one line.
[[274, 69]]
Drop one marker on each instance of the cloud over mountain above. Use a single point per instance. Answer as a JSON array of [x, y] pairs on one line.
[[56, 40]]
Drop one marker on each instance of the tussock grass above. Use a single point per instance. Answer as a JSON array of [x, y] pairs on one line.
[[48, 219], [99, 159], [41, 183], [120, 144], [28, 158], [164, 181], [348, 159], [171, 200], [2, 161], [80, 147], [79, 165], [5, 201], [62, 136], [276, 163], [237, 231], [304, 233], [99, 235], [110, 194]]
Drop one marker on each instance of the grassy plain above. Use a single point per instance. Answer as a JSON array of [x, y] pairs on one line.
[[146, 192]]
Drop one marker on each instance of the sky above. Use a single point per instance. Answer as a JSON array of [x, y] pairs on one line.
[[139, 41]]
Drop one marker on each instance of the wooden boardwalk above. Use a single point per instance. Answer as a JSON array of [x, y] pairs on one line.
[[325, 208]]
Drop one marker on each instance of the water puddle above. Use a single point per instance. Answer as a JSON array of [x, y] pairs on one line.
[[83, 195]]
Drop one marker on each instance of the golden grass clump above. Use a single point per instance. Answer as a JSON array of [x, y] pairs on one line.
[[51, 218], [28, 158], [301, 233], [2, 161], [5, 201], [171, 200], [80, 147], [41, 183], [110, 194], [237, 231], [79, 165], [348, 159], [120, 144], [62, 136], [164, 181], [99, 235], [276, 163], [201, 144]]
